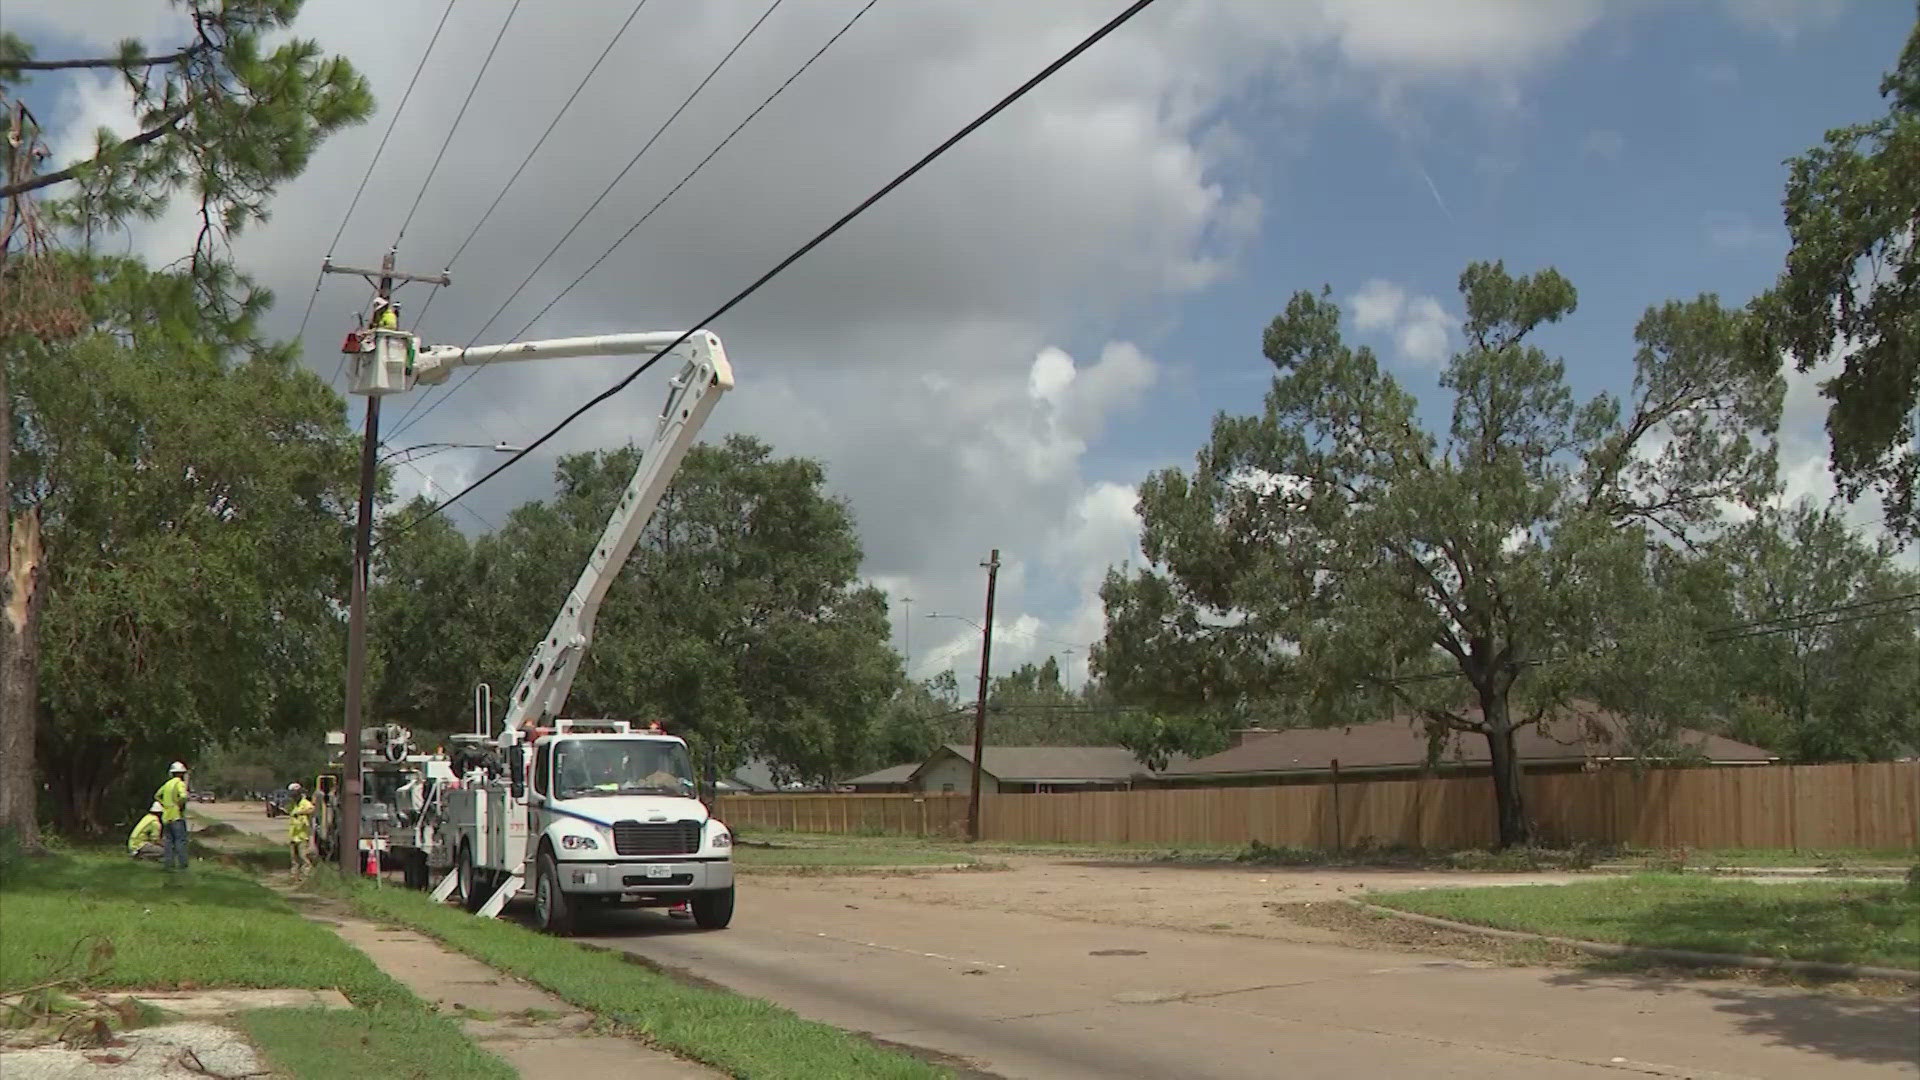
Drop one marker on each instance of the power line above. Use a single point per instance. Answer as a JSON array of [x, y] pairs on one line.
[[662, 201], [582, 219], [471, 512], [1881, 602], [457, 117], [1811, 619], [531, 152], [377, 151], [1002, 105], [592, 206], [722, 145]]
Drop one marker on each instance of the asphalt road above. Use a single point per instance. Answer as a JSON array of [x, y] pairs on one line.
[[1019, 994]]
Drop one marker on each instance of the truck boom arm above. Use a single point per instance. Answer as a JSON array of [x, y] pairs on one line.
[[548, 676], [437, 362]]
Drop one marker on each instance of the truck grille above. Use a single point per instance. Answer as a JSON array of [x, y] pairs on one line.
[[659, 838]]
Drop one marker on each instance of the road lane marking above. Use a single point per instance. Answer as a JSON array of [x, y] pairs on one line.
[[909, 952]]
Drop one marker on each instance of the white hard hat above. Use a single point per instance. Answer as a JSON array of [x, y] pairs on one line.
[[176, 767], [155, 808], [295, 786]]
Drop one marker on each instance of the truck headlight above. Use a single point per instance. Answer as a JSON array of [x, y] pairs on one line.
[[579, 843], [722, 839]]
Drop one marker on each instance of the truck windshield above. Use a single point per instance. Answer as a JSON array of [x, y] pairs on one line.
[[586, 767]]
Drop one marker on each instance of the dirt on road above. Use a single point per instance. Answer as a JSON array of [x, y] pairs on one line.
[[1229, 899]]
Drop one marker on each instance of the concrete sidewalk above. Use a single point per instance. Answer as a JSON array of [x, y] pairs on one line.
[[542, 1036]]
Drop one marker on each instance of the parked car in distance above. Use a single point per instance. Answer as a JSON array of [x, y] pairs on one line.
[[200, 796]]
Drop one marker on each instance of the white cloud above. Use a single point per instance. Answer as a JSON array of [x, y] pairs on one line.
[[1603, 143], [1418, 325], [1377, 305], [1422, 336], [913, 352], [1784, 19]]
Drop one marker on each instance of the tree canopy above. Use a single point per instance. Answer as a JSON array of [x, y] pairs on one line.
[[739, 620], [191, 497], [1822, 661], [222, 117], [1476, 580], [1851, 290]]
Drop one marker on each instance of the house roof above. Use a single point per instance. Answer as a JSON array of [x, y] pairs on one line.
[[1050, 764], [892, 774], [1400, 743]]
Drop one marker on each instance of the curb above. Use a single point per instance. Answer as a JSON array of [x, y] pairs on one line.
[[1681, 956]]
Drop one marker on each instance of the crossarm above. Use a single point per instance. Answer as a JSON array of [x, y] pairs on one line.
[[548, 677]]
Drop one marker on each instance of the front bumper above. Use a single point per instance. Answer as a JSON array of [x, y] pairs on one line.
[[651, 877]]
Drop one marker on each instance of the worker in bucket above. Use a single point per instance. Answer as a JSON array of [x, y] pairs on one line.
[[386, 314], [299, 830], [172, 798], [144, 841]]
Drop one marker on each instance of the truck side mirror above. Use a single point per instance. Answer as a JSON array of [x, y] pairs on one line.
[[517, 771]]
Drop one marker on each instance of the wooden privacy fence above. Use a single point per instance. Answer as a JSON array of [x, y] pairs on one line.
[[875, 815], [1873, 806]]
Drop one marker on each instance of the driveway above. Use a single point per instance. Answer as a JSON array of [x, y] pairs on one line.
[[1020, 992], [247, 816]]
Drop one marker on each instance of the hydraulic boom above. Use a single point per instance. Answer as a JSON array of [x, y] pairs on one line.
[[548, 676]]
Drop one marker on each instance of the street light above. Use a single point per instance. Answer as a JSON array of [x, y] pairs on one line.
[[437, 447]]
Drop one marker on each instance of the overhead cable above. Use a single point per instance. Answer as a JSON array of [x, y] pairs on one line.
[[931, 156]]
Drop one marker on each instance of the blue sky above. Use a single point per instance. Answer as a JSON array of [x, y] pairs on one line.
[[1000, 351], [1648, 165]]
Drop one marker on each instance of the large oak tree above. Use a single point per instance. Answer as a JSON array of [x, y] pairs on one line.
[[224, 118], [1479, 578]]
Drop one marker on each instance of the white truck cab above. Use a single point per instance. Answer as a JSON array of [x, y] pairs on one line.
[[616, 817]]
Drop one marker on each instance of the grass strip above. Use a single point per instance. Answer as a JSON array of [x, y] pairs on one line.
[[1833, 921], [742, 1036], [213, 928]]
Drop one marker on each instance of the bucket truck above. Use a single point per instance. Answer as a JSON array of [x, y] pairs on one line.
[[573, 811]]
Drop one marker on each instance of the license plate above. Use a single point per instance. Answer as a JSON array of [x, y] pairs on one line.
[[658, 871]]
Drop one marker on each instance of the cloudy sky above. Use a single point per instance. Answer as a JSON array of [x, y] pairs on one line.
[[998, 353]]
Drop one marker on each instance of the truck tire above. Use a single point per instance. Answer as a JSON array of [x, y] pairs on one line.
[[552, 910], [413, 868], [473, 894], [713, 909]]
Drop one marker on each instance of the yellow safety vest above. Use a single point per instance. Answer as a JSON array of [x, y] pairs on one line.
[[300, 821], [172, 798], [146, 832]]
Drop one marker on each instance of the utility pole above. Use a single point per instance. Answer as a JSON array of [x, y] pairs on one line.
[[350, 781], [980, 706], [906, 632]]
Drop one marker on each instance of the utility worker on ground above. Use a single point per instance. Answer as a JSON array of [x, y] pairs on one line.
[[299, 830], [144, 841], [172, 798]]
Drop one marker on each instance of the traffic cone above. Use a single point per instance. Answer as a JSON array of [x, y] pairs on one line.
[[373, 864]]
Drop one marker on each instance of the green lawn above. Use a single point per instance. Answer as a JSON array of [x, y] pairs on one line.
[[1866, 923], [742, 1036], [1836, 858], [211, 928]]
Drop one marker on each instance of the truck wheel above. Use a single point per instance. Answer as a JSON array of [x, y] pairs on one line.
[[550, 906], [713, 910], [414, 869], [471, 897]]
